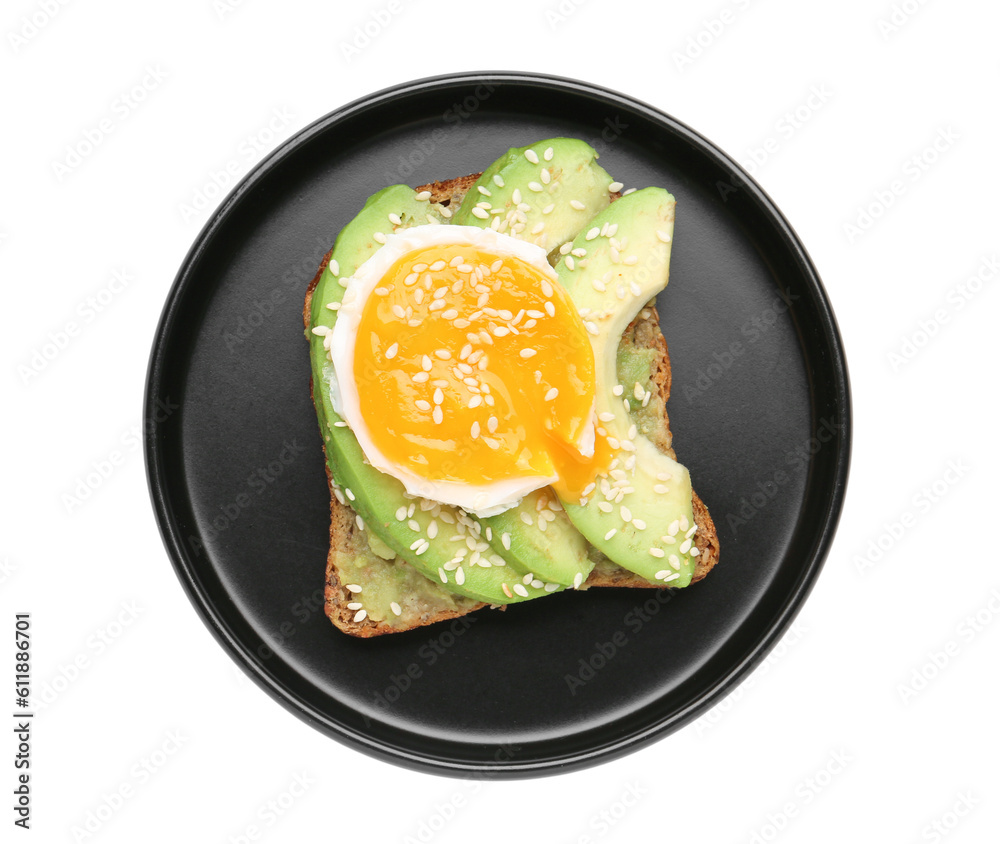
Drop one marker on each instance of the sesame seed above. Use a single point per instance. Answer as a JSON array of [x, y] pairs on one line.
[[685, 546], [538, 228], [423, 547], [535, 186], [516, 196], [635, 288], [663, 236], [378, 236], [661, 489], [550, 309], [492, 424], [546, 287], [423, 404], [437, 266], [631, 261], [445, 212], [610, 534], [355, 605], [520, 589], [483, 191], [528, 353], [547, 155], [496, 265], [394, 219], [506, 590], [626, 514], [638, 392], [437, 415], [657, 552], [578, 580], [501, 331], [638, 524], [348, 493], [333, 306], [460, 576], [614, 187], [360, 615], [551, 394], [420, 377], [604, 507], [526, 518], [354, 588], [570, 263], [426, 364], [391, 352], [360, 522], [498, 180], [548, 209], [684, 523], [423, 195], [674, 527], [576, 204], [475, 429], [480, 213], [321, 330], [396, 608]]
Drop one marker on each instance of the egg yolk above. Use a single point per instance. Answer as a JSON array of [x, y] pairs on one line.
[[475, 368]]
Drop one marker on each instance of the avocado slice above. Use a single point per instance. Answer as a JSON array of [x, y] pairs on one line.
[[439, 541], [543, 193], [536, 538], [639, 511]]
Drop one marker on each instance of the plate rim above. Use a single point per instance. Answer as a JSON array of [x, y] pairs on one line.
[[249, 662]]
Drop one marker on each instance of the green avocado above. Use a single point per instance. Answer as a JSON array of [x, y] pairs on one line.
[[438, 540], [639, 512], [536, 538], [543, 193]]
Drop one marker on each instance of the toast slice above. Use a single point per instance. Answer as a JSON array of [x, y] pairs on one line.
[[356, 556]]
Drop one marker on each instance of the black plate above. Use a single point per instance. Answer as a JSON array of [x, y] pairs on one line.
[[760, 411]]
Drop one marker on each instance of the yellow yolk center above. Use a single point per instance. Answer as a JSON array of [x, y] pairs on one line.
[[474, 368]]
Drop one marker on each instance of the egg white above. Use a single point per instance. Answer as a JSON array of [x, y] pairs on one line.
[[479, 499]]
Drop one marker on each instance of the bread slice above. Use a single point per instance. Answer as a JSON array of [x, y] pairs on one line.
[[356, 556]]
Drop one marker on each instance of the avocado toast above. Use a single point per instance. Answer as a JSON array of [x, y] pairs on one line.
[[392, 564]]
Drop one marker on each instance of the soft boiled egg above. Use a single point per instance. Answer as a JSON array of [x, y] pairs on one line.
[[463, 368]]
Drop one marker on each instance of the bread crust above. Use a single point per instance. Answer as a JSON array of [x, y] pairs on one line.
[[345, 534]]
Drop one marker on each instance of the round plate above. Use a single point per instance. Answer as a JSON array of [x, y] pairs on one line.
[[760, 412]]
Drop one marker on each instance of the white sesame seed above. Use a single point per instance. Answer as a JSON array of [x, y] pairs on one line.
[[521, 590], [535, 186], [516, 196], [378, 236], [423, 195], [626, 514], [480, 213], [531, 155], [578, 580], [492, 424], [396, 608], [548, 209], [355, 605], [526, 518], [604, 507], [663, 236], [360, 615], [348, 493], [437, 415], [423, 547], [528, 353], [638, 524], [576, 204], [551, 394], [483, 191], [674, 527], [498, 180], [423, 405], [614, 187], [538, 228], [353, 588], [685, 546], [570, 263], [321, 330], [360, 522], [661, 489], [550, 309], [392, 351], [438, 396], [547, 155], [657, 552]]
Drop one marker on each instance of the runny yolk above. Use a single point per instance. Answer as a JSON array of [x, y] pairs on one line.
[[475, 368]]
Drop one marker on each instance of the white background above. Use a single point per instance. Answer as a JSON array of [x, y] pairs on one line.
[[764, 764]]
